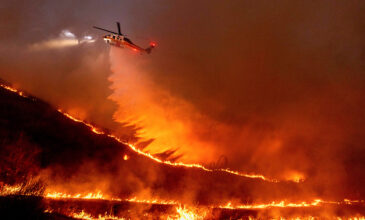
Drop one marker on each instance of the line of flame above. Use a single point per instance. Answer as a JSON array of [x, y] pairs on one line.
[[13, 90], [183, 212], [7, 190], [283, 204], [99, 195], [135, 149], [316, 202], [85, 215], [99, 131]]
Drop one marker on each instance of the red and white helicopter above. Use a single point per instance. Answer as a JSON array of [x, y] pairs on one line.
[[120, 40]]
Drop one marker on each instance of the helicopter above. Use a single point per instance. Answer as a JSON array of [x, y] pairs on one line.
[[120, 40]]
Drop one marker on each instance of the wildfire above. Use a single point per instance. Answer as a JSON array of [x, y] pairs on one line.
[[284, 204], [135, 149], [9, 190], [295, 176], [278, 204], [85, 215], [59, 195], [199, 213], [153, 201], [184, 213], [99, 195], [13, 90], [275, 204]]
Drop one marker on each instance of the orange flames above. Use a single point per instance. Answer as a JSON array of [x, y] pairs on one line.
[[99, 195], [13, 90], [182, 212], [229, 205], [9, 190], [97, 130], [282, 204], [58, 195], [135, 149], [85, 215]]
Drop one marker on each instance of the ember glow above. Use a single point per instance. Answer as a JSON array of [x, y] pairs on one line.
[[273, 204], [13, 90], [181, 211], [84, 215], [58, 195], [185, 212], [134, 148], [99, 195], [9, 190], [245, 110], [282, 204]]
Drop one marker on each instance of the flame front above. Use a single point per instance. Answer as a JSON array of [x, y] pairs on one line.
[[88, 216], [97, 130], [135, 149], [229, 205], [181, 211]]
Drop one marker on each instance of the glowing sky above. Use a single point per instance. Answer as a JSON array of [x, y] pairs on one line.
[[274, 87]]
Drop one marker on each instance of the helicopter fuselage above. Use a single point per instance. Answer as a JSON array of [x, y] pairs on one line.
[[121, 41]]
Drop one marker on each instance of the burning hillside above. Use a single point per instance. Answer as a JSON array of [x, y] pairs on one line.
[[244, 110], [86, 172]]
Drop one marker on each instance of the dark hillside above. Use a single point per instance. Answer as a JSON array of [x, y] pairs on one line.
[[71, 158]]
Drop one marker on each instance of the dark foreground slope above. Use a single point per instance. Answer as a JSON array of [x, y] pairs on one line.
[[38, 140]]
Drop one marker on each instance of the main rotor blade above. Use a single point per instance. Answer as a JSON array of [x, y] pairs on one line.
[[118, 24], [105, 30]]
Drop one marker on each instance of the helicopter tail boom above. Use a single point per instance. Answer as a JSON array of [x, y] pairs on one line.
[[149, 49]]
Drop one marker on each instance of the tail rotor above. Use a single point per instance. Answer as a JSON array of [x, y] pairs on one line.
[[152, 45]]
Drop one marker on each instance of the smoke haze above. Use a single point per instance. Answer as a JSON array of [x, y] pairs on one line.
[[275, 87]]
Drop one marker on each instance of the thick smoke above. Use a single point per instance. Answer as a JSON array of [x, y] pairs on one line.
[[274, 87], [50, 50]]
